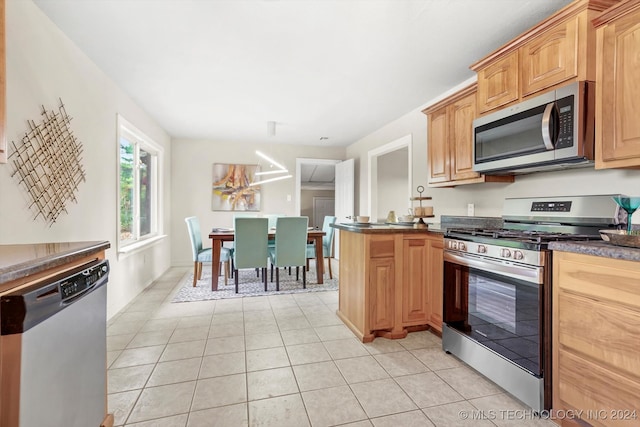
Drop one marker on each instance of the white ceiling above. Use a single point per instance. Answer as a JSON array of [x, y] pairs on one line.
[[220, 69]]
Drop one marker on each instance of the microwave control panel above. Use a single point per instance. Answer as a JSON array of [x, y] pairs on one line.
[[565, 122]]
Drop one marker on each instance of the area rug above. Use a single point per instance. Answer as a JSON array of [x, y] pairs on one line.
[[249, 286]]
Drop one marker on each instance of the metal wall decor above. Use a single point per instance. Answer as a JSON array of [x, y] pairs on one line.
[[47, 162]]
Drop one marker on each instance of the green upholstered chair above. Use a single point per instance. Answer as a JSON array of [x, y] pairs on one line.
[[250, 242], [201, 255], [272, 225], [327, 243], [272, 219], [232, 244], [290, 246]]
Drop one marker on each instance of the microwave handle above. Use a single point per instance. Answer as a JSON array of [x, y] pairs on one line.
[[547, 138]]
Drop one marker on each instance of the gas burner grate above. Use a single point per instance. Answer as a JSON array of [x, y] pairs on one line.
[[525, 236]]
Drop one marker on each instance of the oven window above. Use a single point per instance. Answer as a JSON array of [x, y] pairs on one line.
[[501, 313]]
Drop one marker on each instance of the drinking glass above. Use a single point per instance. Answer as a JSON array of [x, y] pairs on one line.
[[629, 204]]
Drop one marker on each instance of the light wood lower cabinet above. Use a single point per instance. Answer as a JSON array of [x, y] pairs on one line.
[[435, 272], [596, 339], [390, 283], [381, 287], [416, 301]]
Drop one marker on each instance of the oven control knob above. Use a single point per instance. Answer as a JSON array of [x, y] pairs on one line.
[[453, 245], [505, 253], [518, 255], [482, 249], [462, 246]]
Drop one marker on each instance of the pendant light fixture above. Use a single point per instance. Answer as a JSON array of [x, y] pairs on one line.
[[271, 131]]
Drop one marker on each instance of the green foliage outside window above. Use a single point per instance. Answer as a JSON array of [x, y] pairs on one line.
[[126, 189]]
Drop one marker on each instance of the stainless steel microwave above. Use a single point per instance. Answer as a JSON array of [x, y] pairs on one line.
[[550, 131]]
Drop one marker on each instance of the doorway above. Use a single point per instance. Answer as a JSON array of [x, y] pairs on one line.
[[390, 176], [341, 175], [322, 206], [315, 179]]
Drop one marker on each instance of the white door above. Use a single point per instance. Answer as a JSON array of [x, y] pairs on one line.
[[345, 183], [322, 206]]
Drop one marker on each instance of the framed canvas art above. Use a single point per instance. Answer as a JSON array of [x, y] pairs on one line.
[[231, 190]]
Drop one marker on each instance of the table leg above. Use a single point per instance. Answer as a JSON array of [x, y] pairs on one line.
[[319, 260], [216, 246]]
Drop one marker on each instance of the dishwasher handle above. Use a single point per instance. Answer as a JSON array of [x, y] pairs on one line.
[[23, 309]]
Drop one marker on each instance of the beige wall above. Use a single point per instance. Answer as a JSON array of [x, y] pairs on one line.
[[488, 198], [43, 66], [191, 166], [392, 183]]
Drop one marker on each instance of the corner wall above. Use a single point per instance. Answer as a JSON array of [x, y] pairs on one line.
[[43, 66]]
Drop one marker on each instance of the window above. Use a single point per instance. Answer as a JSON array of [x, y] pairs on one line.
[[139, 161]]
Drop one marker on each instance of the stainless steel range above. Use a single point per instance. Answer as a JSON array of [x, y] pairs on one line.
[[497, 289]]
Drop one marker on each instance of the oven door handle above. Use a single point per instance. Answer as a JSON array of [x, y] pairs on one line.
[[520, 272]]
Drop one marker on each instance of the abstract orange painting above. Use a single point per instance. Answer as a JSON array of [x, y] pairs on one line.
[[231, 190]]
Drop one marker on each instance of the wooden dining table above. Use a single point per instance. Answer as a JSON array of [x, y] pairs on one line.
[[218, 236]]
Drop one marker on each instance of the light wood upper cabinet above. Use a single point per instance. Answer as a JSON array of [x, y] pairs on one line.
[[498, 83], [450, 141], [461, 113], [550, 58], [557, 51], [618, 87], [438, 132]]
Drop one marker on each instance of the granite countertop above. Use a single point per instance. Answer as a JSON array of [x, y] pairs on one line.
[[384, 228], [18, 261], [597, 248]]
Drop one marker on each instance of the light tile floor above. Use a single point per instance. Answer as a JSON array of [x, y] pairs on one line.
[[284, 360]]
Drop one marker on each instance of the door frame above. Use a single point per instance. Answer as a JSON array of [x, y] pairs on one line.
[[308, 161], [372, 173]]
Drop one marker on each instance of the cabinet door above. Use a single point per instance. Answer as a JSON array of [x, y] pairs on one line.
[[415, 277], [461, 114], [498, 83], [596, 310], [438, 146], [435, 268], [618, 86], [381, 290], [550, 58]]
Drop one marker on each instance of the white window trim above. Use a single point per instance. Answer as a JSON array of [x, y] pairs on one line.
[[124, 127]]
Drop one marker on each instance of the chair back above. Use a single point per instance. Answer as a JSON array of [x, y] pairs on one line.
[[272, 219], [245, 215], [291, 241], [327, 239], [193, 226], [250, 240]]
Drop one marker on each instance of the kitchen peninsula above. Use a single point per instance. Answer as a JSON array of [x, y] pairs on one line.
[[390, 279]]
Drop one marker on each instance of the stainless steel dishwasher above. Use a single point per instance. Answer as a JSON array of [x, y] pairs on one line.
[[53, 350]]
